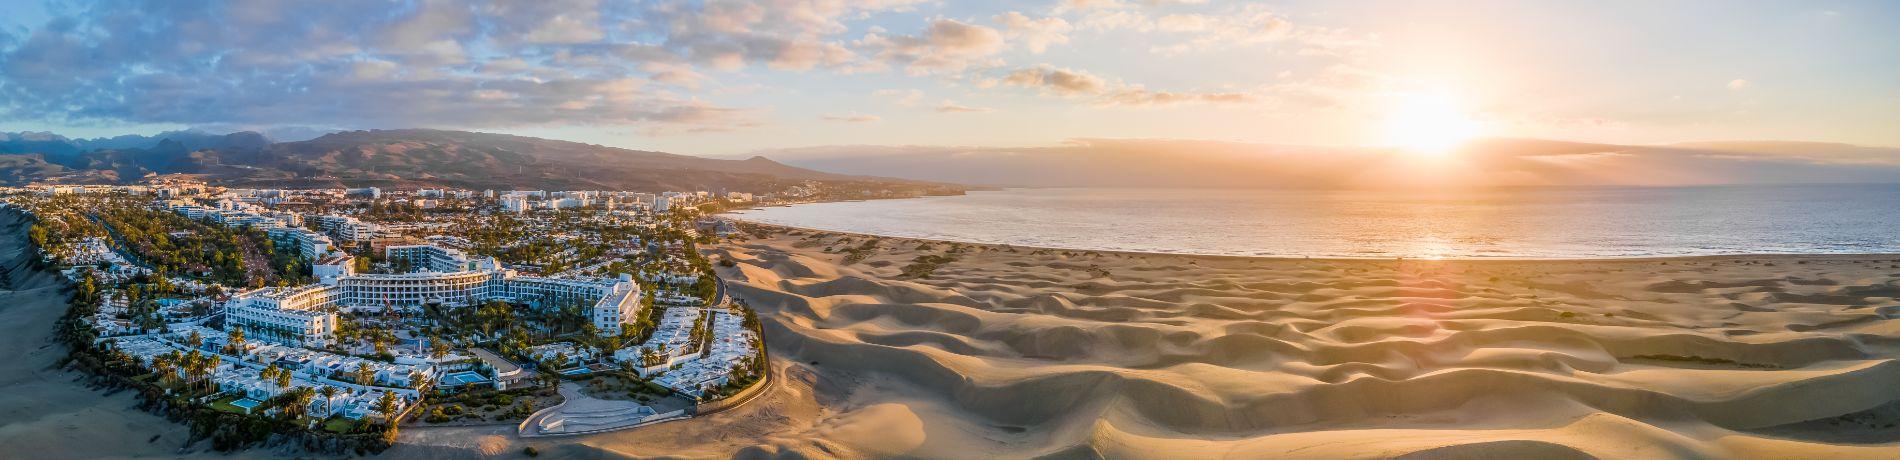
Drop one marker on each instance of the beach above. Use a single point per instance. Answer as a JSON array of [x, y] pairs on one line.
[[47, 412], [999, 351], [1014, 352]]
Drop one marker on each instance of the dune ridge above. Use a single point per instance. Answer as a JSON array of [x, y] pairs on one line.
[[1020, 352], [1031, 352]]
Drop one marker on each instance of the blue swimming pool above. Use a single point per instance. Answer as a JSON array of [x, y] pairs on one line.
[[463, 378]]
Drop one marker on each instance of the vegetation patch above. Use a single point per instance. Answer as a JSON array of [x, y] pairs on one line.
[[923, 266]]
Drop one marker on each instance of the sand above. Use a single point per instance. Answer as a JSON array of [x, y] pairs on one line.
[[45, 412], [1015, 352], [1018, 353]]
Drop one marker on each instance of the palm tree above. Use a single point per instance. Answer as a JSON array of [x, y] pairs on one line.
[[235, 339], [193, 365], [283, 378], [194, 340], [165, 365], [364, 375], [329, 395], [269, 373], [211, 364], [387, 406], [296, 402], [418, 380]]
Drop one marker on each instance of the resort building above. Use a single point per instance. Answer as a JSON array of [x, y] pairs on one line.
[[295, 315], [333, 268], [345, 228], [428, 257], [310, 245]]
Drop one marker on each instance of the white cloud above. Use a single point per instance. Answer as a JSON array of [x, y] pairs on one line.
[[1052, 80], [1055, 80], [949, 106], [673, 73], [947, 45], [1737, 84], [906, 98], [851, 118], [1035, 34]]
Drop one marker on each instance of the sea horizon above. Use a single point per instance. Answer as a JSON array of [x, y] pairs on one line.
[[955, 219]]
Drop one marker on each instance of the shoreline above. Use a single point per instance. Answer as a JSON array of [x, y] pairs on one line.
[[44, 400], [1024, 353], [1755, 255]]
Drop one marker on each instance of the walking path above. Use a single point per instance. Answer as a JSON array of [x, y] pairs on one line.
[[583, 414]]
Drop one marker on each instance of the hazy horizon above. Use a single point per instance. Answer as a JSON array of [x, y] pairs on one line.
[[735, 78]]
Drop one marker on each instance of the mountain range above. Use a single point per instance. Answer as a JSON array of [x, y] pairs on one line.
[[417, 157], [1488, 162], [400, 157]]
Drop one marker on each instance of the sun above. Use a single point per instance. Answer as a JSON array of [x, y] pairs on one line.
[[1429, 122]]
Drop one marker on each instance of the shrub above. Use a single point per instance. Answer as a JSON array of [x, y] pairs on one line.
[[530, 451]]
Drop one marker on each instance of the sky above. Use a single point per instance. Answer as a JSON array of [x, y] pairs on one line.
[[726, 78]]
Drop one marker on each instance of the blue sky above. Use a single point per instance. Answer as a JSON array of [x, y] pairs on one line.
[[713, 77]]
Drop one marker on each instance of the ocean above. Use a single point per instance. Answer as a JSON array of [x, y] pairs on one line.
[[1531, 223]]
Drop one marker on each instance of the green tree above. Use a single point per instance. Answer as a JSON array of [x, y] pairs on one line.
[[364, 375]]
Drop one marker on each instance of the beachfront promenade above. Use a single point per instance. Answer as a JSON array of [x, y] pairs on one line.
[[583, 414]]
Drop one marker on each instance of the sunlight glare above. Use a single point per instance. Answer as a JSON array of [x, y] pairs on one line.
[[1431, 123]]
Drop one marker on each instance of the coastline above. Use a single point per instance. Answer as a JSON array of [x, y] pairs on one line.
[[1004, 351], [52, 409], [1021, 351], [1771, 255]]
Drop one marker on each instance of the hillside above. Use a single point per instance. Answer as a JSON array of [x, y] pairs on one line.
[[407, 157]]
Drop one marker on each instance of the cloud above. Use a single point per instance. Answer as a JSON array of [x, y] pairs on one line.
[[374, 63], [1054, 80], [1074, 83], [947, 45], [851, 118], [673, 73], [1143, 97], [906, 98], [1203, 31], [662, 67], [1737, 84], [1081, 5], [1035, 34], [953, 107]]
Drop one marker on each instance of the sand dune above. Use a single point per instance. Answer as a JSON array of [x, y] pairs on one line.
[[1024, 352], [1019, 352]]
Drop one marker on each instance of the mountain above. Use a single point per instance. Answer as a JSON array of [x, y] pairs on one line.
[[1488, 162], [404, 157]]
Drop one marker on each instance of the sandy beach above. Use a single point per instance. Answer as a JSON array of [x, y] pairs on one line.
[[1022, 352], [46, 412]]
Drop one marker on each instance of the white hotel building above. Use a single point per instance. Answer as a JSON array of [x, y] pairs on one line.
[[310, 245], [345, 228], [293, 315], [299, 315]]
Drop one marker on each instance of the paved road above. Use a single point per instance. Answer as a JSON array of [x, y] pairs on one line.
[[719, 285]]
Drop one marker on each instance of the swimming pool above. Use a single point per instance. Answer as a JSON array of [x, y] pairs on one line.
[[463, 378], [247, 404]]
